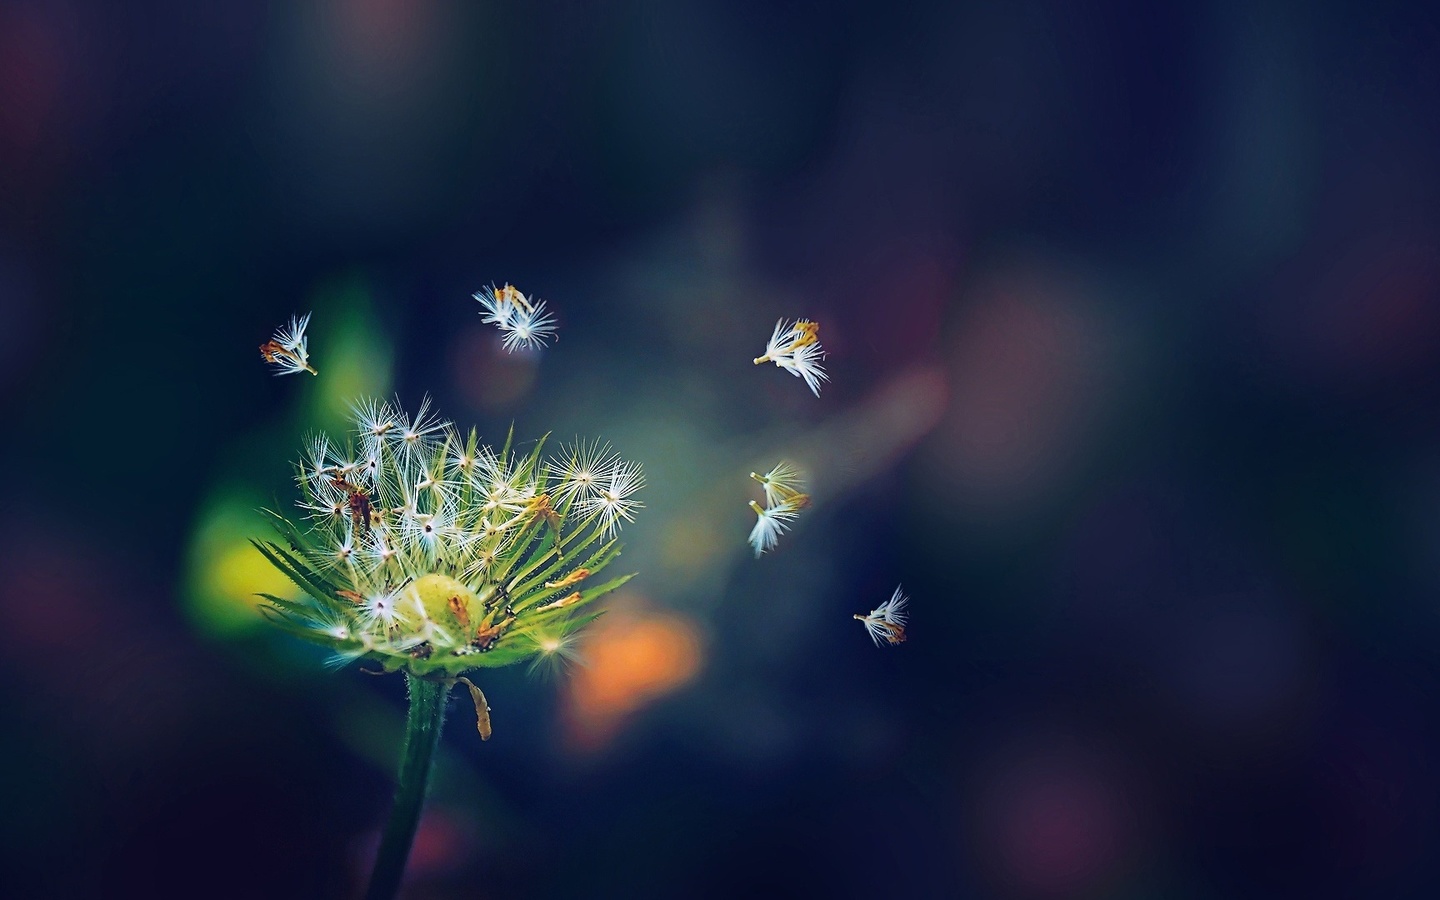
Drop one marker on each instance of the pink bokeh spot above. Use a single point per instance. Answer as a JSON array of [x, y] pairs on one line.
[[32, 75], [1058, 833], [1055, 823], [1034, 373]]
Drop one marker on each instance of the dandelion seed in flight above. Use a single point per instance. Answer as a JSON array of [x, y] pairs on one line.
[[524, 321], [796, 349], [886, 622], [782, 483], [770, 523], [784, 498], [287, 350]]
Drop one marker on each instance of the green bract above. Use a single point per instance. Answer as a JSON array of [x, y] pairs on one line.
[[431, 553]]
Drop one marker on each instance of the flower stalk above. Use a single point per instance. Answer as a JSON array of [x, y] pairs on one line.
[[423, 724]]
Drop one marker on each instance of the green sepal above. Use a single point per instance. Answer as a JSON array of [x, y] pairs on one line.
[[525, 547], [505, 653], [538, 554], [304, 577], [288, 531], [539, 619], [595, 593], [509, 439], [289, 607], [287, 623], [592, 523], [527, 594], [530, 465]]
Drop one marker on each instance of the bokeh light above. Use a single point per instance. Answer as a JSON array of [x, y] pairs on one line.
[[632, 658], [228, 574]]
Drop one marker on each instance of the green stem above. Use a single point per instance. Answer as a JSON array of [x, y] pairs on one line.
[[422, 734]]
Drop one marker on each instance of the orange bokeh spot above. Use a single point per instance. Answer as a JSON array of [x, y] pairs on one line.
[[632, 658]]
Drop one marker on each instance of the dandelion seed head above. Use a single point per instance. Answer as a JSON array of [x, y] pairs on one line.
[[431, 553], [529, 329], [383, 610], [893, 610], [498, 306], [783, 502], [804, 363]]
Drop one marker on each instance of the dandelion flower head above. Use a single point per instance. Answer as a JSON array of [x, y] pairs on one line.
[[428, 551]]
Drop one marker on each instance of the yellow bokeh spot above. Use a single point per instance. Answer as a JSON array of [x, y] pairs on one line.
[[242, 574], [226, 572]]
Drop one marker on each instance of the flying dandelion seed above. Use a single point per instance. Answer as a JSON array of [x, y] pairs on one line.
[[781, 484], [783, 502], [796, 349], [525, 322], [886, 622], [771, 522], [287, 350]]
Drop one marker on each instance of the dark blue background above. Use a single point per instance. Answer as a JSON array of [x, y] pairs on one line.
[[1166, 279]]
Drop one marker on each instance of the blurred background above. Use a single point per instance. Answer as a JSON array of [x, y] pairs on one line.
[[1132, 315]]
